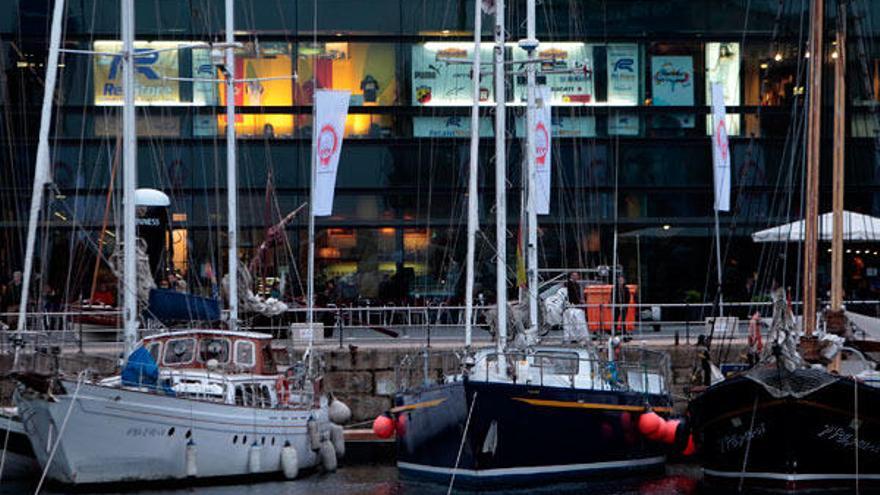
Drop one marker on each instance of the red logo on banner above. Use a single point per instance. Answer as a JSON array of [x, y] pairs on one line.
[[721, 139], [542, 143], [328, 143]]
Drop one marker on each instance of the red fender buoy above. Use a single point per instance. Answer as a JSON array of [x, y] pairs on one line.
[[668, 431], [626, 422], [691, 448], [384, 426], [402, 423], [650, 424]]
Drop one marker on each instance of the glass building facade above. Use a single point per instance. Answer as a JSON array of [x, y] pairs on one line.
[[631, 150]]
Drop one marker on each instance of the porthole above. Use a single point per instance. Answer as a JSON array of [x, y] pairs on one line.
[[188, 434], [235, 439], [171, 431]]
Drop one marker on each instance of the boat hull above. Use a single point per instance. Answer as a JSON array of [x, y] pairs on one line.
[[115, 435], [18, 461], [522, 434], [747, 436]]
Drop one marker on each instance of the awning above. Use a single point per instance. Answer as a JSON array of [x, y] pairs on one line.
[[856, 227]]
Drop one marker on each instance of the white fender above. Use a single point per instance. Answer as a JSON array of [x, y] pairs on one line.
[[191, 468], [254, 458], [314, 434], [289, 461], [328, 456], [337, 437], [338, 412]]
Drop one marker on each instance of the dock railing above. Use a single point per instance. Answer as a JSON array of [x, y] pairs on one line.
[[678, 323]]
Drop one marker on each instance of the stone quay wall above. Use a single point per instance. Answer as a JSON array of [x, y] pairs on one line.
[[366, 378]]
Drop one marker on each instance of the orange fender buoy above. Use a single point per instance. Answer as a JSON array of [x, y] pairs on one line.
[[384, 426]]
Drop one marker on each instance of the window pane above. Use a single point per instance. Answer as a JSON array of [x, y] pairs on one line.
[[179, 351], [244, 353], [214, 349], [365, 69]]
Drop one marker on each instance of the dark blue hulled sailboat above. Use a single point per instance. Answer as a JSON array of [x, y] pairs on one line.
[[536, 413], [543, 414]]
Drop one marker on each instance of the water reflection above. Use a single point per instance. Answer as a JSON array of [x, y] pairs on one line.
[[383, 480]]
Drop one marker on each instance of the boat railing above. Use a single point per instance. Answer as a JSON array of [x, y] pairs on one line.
[[677, 322], [640, 370], [635, 369]]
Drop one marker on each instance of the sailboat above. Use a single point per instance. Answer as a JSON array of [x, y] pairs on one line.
[[530, 413], [194, 404], [797, 420]]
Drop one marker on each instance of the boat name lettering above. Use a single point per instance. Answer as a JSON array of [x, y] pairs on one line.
[[144, 432], [735, 441], [846, 437]]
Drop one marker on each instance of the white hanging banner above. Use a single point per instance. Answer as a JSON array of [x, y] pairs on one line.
[[720, 150], [331, 108], [543, 148]]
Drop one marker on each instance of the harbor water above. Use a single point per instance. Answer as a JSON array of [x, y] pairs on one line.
[[383, 480]]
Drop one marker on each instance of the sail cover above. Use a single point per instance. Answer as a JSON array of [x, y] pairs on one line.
[[140, 370], [856, 227]]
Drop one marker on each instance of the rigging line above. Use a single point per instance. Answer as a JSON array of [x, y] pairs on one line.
[[856, 427], [464, 434], [748, 444], [5, 444]]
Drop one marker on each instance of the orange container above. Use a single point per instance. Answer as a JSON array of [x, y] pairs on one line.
[[600, 314]]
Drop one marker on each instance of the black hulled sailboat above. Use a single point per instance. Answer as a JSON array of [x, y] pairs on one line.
[[794, 422], [532, 413]]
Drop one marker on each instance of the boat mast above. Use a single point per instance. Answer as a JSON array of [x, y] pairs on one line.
[[839, 156], [231, 168], [811, 199], [41, 169], [129, 180], [476, 73], [500, 185], [530, 44]]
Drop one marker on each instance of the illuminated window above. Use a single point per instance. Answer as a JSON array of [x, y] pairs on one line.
[[365, 69], [157, 60], [722, 67], [437, 81], [252, 62], [573, 80]]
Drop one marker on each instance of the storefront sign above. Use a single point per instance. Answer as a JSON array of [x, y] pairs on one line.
[[672, 80], [449, 127], [564, 127], [151, 67], [623, 74], [573, 86], [437, 81]]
